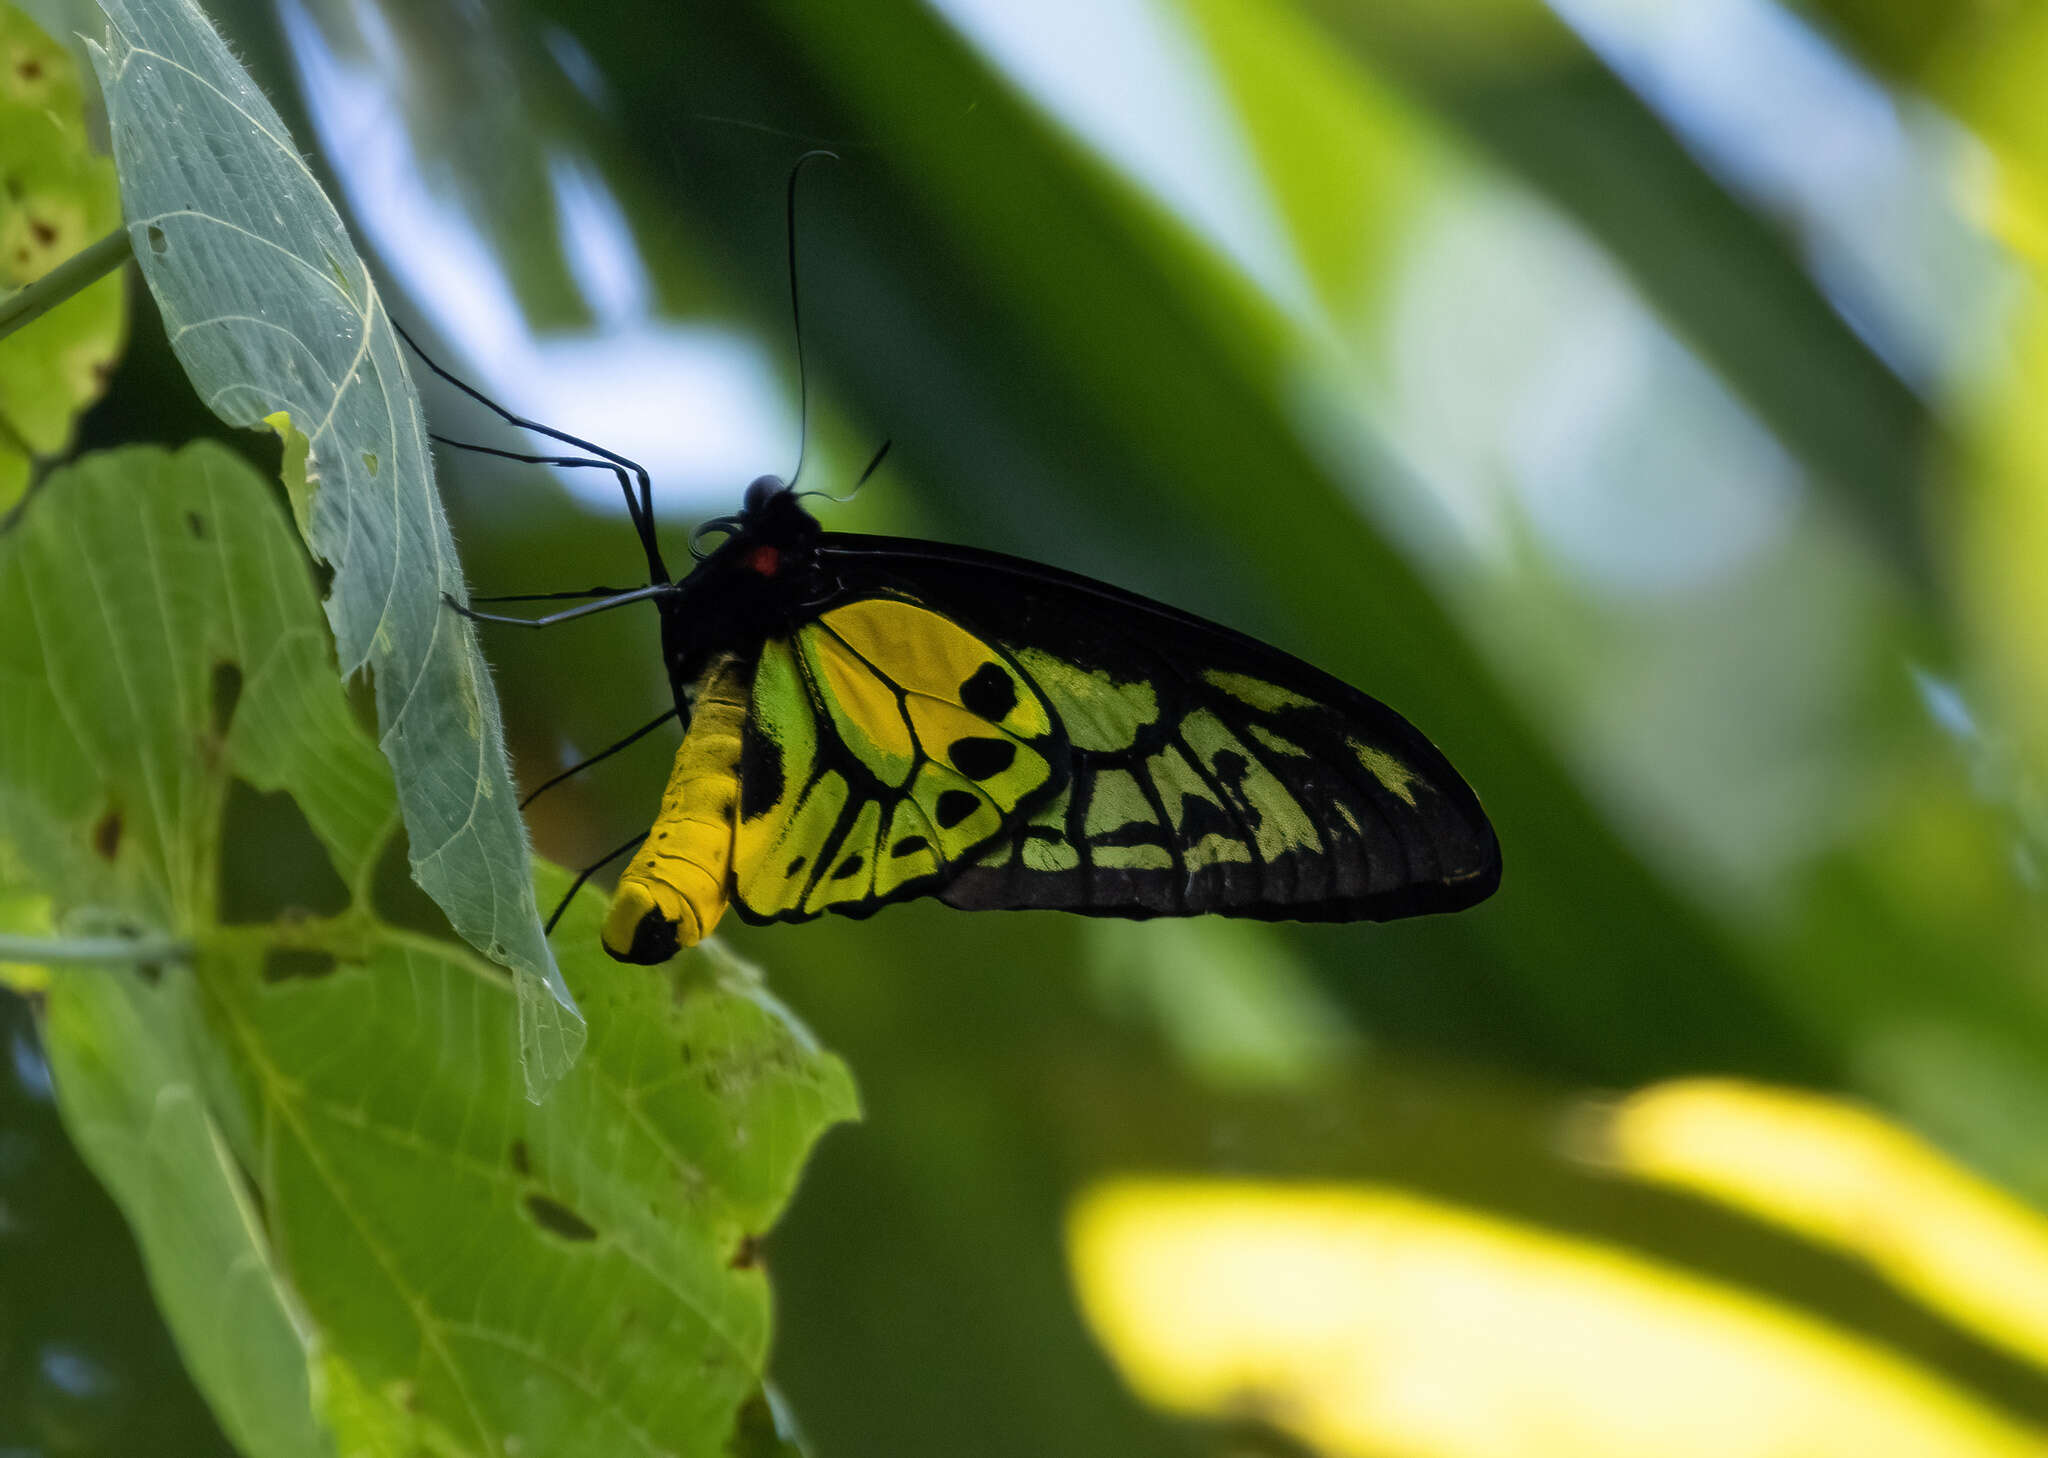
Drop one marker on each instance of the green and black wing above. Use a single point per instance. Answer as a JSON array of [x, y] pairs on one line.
[[1003, 734]]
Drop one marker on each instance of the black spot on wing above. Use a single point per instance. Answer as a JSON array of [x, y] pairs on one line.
[[910, 845], [981, 759], [1132, 832], [849, 867], [1231, 767], [989, 692], [761, 779], [955, 806], [795, 866], [1201, 817]]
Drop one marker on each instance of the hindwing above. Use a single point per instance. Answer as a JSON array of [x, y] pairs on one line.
[[885, 746]]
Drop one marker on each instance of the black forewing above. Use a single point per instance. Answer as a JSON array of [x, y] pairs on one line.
[[1260, 786]]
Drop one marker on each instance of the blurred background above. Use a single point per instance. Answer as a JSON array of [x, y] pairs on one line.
[[1643, 398]]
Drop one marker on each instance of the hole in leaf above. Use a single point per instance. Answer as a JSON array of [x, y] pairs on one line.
[[158, 243], [272, 866], [106, 836], [558, 1219], [398, 897], [284, 964], [521, 1163], [225, 695]]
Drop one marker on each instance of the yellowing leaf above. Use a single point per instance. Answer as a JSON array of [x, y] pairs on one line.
[[1373, 1323], [1851, 1178], [56, 196]]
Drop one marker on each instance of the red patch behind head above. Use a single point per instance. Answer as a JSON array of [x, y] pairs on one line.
[[765, 560]]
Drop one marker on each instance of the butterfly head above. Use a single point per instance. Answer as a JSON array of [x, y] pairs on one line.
[[770, 523], [760, 491]]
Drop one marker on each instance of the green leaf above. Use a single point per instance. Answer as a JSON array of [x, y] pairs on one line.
[[134, 1106], [167, 640], [321, 1115], [277, 320], [56, 197]]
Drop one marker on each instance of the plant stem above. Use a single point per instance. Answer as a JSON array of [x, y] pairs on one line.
[[49, 951], [81, 269]]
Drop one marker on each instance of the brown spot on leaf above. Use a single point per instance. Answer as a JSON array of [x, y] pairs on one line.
[[747, 1254], [226, 694], [558, 1219], [106, 836], [522, 1164]]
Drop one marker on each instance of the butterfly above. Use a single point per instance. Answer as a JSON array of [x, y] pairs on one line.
[[872, 719]]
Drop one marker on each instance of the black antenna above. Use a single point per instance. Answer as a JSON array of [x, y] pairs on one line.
[[796, 317], [874, 464]]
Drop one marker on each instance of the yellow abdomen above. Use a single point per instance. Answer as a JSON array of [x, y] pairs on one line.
[[675, 890]]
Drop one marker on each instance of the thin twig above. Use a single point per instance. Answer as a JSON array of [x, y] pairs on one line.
[[51, 951], [75, 274]]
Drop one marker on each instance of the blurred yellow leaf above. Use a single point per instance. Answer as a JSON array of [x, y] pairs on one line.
[[1371, 1322], [1846, 1176]]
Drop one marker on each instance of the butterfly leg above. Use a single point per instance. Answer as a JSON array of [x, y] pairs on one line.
[[638, 594], [603, 754], [579, 593], [641, 510], [584, 875]]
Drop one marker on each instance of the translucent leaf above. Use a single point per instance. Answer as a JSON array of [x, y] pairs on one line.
[[56, 196], [320, 1117], [278, 321]]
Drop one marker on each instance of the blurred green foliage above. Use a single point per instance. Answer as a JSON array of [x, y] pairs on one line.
[[1533, 414]]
